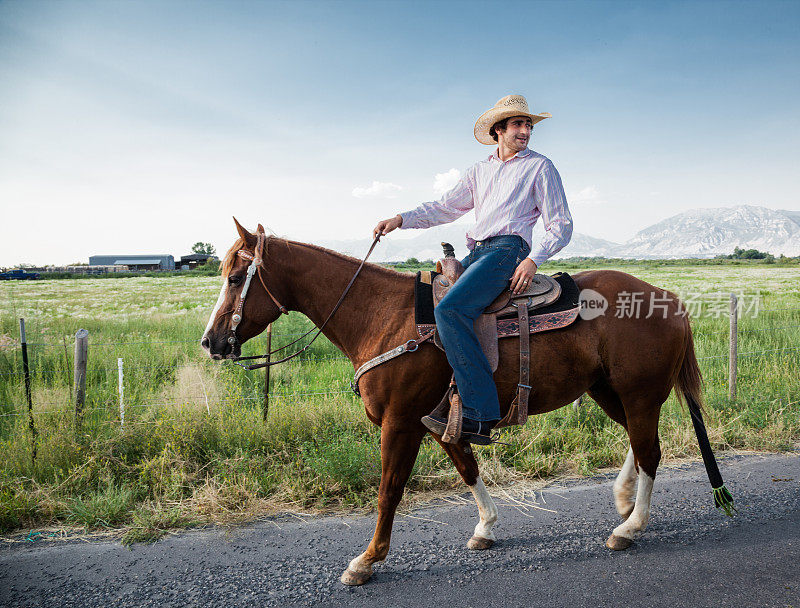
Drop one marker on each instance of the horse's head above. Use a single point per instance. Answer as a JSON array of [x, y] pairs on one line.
[[245, 305]]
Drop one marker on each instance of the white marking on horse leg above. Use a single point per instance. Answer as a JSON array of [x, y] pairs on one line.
[[361, 564], [637, 522], [358, 571], [486, 509], [624, 486], [217, 306]]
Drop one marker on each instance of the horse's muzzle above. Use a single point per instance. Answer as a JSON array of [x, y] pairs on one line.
[[220, 349]]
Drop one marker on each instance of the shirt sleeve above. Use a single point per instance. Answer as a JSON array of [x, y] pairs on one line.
[[453, 204], [548, 194]]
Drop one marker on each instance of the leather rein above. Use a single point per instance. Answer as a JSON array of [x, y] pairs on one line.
[[256, 262]]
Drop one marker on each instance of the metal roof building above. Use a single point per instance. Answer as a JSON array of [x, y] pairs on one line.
[[135, 262], [194, 260]]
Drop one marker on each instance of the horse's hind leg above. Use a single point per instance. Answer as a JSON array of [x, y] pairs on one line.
[[399, 449], [467, 467], [643, 433]]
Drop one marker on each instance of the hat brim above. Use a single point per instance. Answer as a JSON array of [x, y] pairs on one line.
[[488, 119]]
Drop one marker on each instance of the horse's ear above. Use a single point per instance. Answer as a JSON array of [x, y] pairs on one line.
[[260, 229], [247, 236]]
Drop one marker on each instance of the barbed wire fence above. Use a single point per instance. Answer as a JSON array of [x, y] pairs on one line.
[[340, 386]]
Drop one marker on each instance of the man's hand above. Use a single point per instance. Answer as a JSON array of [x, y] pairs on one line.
[[523, 275], [384, 227]]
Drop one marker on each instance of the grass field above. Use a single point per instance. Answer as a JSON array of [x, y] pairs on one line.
[[194, 447]]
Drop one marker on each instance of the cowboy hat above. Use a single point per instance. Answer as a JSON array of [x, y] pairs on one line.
[[510, 105]]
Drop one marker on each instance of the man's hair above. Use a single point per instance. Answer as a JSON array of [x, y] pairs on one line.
[[501, 126], [498, 125]]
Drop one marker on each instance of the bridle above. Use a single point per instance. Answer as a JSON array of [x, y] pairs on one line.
[[256, 262]]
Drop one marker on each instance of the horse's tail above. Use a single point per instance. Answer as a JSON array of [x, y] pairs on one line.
[[688, 384]]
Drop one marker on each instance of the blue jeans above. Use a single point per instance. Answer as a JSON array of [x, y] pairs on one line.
[[489, 267]]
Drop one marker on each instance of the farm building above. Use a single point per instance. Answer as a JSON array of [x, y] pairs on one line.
[[135, 262], [192, 261]]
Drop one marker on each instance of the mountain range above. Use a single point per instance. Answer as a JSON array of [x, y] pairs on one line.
[[698, 233]]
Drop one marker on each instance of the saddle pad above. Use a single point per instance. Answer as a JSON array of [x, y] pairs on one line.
[[423, 298]]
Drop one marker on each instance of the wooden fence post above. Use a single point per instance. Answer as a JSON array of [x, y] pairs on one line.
[[27, 372], [266, 372], [81, 358], [732, 356]]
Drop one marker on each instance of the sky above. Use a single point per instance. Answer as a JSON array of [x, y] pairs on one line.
[[143, 127]]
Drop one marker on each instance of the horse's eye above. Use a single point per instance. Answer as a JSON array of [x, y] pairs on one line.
[[234, 280]]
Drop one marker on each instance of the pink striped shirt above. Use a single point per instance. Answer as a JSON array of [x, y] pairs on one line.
[[508, 198]]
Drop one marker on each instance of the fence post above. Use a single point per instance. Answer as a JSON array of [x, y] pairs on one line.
[[732, 356], [81, 358], [27, 371], [266, 372], [121, 394]]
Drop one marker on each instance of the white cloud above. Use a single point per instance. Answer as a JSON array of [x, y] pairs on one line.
[[588, 196], [378, 190], [443, 182]]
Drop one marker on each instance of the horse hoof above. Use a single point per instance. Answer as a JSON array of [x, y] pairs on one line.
[[353, 578], [478, 543], [618, 543]]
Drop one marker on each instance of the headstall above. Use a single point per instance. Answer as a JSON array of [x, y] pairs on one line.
[[256, 261]]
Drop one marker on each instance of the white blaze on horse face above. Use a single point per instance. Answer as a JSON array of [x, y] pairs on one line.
[[217, 306], [637, 522], [486, 508]]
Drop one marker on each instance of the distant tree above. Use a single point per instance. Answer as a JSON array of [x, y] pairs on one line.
[[747, 254], [412, 262], [204, 248]]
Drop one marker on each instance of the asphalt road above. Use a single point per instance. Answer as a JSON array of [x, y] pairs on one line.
[[691, 555]]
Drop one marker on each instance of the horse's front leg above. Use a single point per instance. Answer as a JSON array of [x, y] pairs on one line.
[[399, 448], [625, 487]]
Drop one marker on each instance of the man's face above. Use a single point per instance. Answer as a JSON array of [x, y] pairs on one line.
[[517, 133]]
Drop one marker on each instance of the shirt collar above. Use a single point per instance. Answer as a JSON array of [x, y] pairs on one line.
[[520, 154]]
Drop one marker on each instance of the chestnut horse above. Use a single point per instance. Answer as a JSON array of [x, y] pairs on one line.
[[628, 365]]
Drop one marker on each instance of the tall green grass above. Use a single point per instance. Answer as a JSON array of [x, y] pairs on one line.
[[195, 447]]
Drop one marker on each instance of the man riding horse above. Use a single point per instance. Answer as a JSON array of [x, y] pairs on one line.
[[629, 365], [509, 191]]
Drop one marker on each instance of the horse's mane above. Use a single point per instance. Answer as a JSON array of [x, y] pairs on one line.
[[348, 258], [230, 257]]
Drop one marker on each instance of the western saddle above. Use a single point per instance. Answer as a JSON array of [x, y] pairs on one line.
[[542, 291]]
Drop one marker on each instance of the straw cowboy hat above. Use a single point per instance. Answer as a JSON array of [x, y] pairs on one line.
[[510, 105]]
